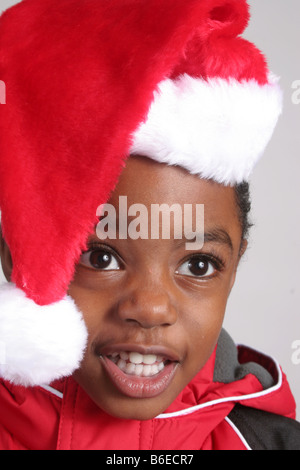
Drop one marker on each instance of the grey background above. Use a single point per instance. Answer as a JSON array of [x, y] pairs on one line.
[[263, 309]]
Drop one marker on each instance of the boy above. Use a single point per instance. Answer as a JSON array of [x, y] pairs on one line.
[[134, 356]]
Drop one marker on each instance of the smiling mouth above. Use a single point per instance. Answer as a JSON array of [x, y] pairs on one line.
[[141, 365], [139, 375]]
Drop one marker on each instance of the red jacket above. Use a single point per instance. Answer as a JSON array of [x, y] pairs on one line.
[[239, 400]]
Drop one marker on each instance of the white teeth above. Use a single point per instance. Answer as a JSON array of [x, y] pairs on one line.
[[149, 359], [121, 364], [124, 355], [134, 363], [147, 371], [130, 368], [136, 357], [139, 369]]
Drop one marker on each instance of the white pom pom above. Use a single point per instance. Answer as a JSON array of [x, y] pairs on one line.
[[38, 343]]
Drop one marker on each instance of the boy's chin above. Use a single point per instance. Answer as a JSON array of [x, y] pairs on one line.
[[120, 406], [141, 411]]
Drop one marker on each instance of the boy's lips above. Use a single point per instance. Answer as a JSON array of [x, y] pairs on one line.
[[138, 371]]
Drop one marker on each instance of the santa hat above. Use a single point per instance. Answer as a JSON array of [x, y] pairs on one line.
[[87, 84]]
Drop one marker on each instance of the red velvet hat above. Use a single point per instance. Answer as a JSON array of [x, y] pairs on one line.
[[88, 84]]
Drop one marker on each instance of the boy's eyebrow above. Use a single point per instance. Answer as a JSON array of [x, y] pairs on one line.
[[218, 235], [215, 235]]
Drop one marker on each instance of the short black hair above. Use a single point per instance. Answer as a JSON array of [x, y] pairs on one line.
[[242, 193]]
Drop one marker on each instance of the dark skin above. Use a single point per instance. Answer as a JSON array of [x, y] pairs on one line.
[[151, 292]]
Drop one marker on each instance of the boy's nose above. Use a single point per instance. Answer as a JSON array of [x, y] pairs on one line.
[[148, 307]]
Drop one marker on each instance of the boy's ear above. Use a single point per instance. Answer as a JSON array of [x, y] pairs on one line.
[[243, 248], [6, 260]]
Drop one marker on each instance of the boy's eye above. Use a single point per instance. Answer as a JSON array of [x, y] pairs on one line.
[[198, 266], [99, 259]]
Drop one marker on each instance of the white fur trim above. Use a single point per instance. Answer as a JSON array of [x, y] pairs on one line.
[[217, 129], [39, 343]]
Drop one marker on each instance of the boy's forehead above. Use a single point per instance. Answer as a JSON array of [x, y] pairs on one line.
[[146, 181], [153, 199]]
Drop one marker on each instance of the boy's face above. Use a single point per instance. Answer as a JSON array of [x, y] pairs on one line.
[[153, 308]]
